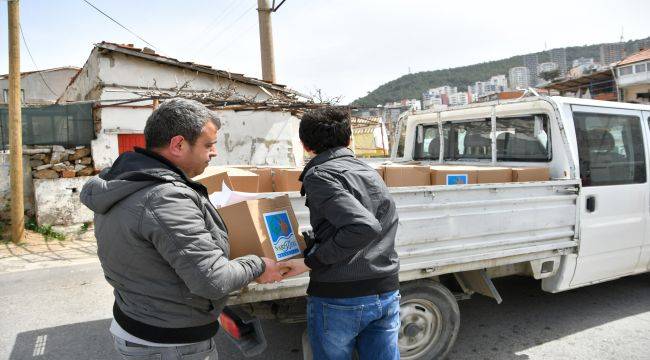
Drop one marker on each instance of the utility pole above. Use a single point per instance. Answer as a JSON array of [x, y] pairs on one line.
[[15, 125], [264, 10]]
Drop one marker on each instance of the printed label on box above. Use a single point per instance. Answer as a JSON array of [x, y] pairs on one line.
[[281, 234], [457, 179]]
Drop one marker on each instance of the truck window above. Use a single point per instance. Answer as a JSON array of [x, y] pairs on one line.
[[610, 148], [429, 149], [401, 141], [523, 138], [468, 140]]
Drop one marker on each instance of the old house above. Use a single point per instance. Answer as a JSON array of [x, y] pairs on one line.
[[41, 87], [124, 82]]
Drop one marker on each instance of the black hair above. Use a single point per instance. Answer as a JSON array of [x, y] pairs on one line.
[[324, 129]]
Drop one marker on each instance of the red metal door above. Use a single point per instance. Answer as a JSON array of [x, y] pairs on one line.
[[126, 142]]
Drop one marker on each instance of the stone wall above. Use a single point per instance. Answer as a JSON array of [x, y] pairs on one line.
[[52, 162]]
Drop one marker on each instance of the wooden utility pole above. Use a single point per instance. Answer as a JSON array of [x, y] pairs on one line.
[[266, 40], [15, 125]]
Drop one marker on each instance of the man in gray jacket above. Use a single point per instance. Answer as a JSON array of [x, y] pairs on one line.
[[353, 301], [162, 245]]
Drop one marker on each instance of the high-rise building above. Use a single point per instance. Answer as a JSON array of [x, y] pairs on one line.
[[500, 81], [531, 62], [459, 98], [583, 61], [547, 66], [611, 53], [519, 77], [558, 56], [641, 45]]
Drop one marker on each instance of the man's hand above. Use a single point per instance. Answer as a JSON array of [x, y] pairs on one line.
[[271, 273], [295, 266]]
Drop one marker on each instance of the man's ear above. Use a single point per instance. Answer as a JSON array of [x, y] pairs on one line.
[[176, 145]]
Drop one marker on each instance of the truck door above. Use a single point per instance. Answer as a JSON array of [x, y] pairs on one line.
[[644, 263], [615, 195]]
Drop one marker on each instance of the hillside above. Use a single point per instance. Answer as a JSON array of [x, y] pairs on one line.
[[412, 86]]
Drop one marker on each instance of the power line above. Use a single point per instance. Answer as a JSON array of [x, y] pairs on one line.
[[235, 38], [219, 17], [217, 21], [230, 26], [115, 21], [34, 62]]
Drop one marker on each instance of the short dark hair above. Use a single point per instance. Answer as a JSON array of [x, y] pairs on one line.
[[177, 117], [324, 129]]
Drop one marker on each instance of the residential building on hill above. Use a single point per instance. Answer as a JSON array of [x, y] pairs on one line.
[[611, 53], [519, 77], [558, 56], [633, 77], [531, 62]]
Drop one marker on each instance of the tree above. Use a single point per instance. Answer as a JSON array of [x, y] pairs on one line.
[[550, 75]]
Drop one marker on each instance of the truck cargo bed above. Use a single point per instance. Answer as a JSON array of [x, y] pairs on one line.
[[446, 229]]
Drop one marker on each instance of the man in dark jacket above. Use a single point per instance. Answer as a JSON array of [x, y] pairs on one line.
[[161, 243], [353, 300]]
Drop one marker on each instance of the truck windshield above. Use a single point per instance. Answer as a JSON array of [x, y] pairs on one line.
[[521, 138]]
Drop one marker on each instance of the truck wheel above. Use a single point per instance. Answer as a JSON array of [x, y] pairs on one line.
[[430, 320]]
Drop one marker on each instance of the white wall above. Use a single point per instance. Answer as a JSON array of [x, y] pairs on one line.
[[258, 138], [34, 88], [246, 137], [58, 203]]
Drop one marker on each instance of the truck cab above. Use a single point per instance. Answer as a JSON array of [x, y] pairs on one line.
[[603, 144]]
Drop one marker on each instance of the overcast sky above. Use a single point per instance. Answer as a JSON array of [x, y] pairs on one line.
[[344, 47]]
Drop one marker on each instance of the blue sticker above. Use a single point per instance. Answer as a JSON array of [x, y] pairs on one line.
[[281, 234], [457, 179]]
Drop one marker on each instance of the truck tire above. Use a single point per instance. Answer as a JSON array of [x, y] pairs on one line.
[[430, 320]]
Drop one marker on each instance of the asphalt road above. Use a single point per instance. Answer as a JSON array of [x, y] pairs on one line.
[[64, 313]]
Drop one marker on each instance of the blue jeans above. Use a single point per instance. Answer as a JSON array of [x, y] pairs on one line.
[[369, 324]]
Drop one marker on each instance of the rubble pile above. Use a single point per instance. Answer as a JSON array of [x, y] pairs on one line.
[[51, 162]]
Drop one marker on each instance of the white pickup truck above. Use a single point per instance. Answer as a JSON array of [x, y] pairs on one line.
[[590, 223]]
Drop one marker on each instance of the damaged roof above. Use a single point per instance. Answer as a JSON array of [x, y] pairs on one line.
[[149, 54]]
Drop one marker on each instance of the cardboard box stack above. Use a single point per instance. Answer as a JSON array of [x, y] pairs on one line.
[[265, 178], [286, 179], [453, 175], [407, 175], [530, 174], [213, 177], [491, 175], [257, 225]]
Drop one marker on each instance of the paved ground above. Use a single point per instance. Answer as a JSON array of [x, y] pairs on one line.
[[64, 312], [36, 252]]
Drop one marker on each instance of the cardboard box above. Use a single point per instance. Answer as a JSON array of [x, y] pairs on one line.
[[265, 178], [263, 227], [243, 180], [530, 174], [213, 177], [407, 175], [490, 175], [380, 169], [453, 175], [287, 179]]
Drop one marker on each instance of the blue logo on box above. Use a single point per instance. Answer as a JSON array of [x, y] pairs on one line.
[[280, 231], [457, 179]]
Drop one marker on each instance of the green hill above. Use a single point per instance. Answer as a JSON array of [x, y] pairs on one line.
[[412, 86]]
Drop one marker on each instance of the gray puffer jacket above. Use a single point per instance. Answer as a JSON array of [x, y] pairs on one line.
[[164, 249]]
